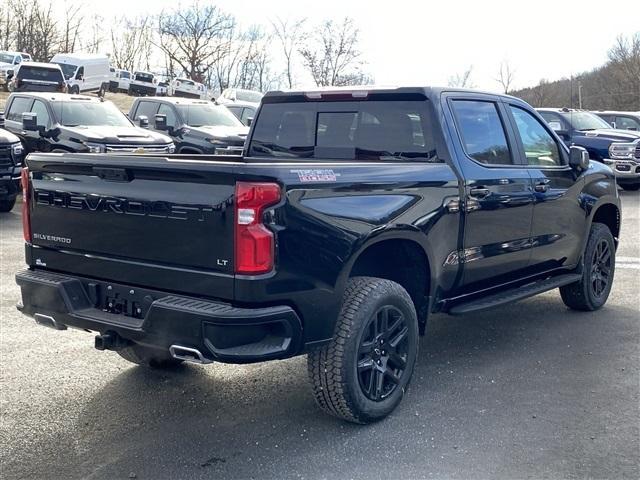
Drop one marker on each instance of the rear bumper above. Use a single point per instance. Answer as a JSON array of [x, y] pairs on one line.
[[219, 331]]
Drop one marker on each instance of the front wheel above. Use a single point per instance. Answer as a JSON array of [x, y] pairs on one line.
[[7, 204], [362, 374], [592, 290]]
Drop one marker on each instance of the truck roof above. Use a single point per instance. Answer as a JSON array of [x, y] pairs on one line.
[[362, 91], [52, 66], [58, 97], [177, 100]]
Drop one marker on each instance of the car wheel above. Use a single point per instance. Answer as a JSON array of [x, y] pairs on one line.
[[102, 91], [362, 374], [7, 204], [592, 290], [632, 187], [148, 357], [75, 90]]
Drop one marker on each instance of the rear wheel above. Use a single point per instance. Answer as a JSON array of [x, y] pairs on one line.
[[148, 357], [362, 374], [592, 290], [632, 187], [102, 91], [75, 89], [7, 204]]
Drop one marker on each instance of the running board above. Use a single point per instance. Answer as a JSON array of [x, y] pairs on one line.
[[515, 294]]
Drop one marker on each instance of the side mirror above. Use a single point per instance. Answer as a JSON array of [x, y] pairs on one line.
[[143, 121], [160, 121], [30, 122], [578, 158], [613, 124], [249, 121]]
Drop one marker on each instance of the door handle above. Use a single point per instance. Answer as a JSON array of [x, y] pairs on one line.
[[542, 186], [479, 192]]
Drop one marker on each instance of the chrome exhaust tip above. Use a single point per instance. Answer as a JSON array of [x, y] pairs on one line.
[[48, 321], [188, 354]]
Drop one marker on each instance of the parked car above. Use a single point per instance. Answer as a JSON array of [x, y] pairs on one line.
[[38, 77], [604, 144], [244, 111], [621, 120], [355, 215], [77, 123], [233, 95], [120, 80], [8, 65], [143, 84], [84, 72], [11, 158], [184, 87], [196, 126]]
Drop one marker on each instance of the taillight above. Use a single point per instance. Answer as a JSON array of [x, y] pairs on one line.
[[26, 202], [255, 249]]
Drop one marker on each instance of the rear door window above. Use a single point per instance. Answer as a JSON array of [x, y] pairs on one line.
[[366, 130], [482, 131], [147, 109], [41, 74], [19, 105], [627, 123]]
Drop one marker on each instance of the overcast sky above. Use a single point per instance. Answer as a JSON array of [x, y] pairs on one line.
[[424, 43]]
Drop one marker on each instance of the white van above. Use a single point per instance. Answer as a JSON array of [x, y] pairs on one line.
[[85, 72]]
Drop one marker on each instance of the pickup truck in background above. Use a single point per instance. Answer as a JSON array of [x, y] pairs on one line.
[[143, 84], [352, 216], [620, 149], [621, 120], [11, 157], [9, 62]]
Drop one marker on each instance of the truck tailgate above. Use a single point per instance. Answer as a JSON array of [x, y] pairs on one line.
[[164, 223]]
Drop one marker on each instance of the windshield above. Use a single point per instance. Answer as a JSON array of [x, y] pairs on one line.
[[371, 130], [248, 96], [68, 70], [585, 121], [74, 113], [6, 58], [198, 115], [143, 77]]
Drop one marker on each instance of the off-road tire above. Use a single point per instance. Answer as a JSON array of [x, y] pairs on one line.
[[7, 204], [580, 295], [74, 90], [631, 187], [148, 357], [333, 368]]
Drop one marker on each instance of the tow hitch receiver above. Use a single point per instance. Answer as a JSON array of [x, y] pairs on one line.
[[110, 341]]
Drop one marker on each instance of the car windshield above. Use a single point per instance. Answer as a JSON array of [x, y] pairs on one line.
[[77, 112], [68, 70], [6, 58], [371, 130], [143, 77], [585, 121], [248, 96], [198, 115]]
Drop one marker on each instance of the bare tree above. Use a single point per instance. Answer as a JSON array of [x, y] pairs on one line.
[[462, 80], [131, 43], [624, 57], [71, 28], [331, 55], [505, 76], [289, 33], [95, 35], [192, 37]]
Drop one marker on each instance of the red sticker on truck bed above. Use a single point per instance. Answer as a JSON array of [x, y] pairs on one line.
[[316, 175]]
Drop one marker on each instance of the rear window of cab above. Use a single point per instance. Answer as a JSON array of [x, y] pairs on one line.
[[365, 130]]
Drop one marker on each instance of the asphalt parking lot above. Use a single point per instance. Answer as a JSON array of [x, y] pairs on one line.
[[530, 390]]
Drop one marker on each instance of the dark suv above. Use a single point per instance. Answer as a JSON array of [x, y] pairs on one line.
[[38, 77], [49, 122], [196, 126]]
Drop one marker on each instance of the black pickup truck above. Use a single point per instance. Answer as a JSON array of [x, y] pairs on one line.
[[352, 216]]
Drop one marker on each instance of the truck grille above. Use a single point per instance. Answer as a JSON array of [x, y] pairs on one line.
[[638, 150], [5, 156], [133, 147]]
